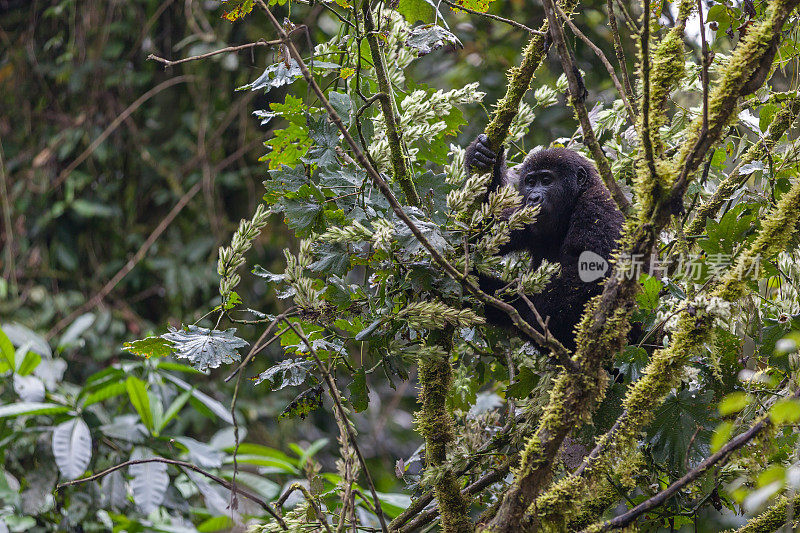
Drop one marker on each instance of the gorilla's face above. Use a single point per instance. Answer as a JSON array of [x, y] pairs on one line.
[[554, 190]]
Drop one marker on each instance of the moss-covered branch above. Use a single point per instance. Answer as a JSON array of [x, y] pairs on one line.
[[436, 426], [773, 518], [780, 124], [519, 79], [388, 109]]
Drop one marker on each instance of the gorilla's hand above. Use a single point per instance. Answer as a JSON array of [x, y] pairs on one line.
[[481, 157]]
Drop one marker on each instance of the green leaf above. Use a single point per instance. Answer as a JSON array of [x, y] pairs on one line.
[[29, 363], [525, 382], [415, 10], [88, 209], [765, 116], [785, 411], [31, 408], [6, 353], [721, 436], [137, 392], [76, 329], [632, 362], [149, 347], [203, 400], [682, 419], [651, 287], [303, 404], [284, 179], [174, 408], [106, 392], [719, 13], [733, 403], [216, 523], [325, 135], [342, 104], [178, 367], [205, 348], [201, 454], [359, 392], [332, 258], [303, 216], [150, 481], [72, 447], [338, 292]]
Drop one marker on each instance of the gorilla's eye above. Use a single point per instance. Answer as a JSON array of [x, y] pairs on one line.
[[543, 177]]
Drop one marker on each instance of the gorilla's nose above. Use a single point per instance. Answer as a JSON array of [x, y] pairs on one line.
[[534, 199]]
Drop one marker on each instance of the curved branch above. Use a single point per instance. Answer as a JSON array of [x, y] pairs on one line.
[[183, 464], [170, 63]]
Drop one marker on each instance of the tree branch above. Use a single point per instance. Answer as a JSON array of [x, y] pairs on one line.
[[337, 400], [576, 99], [170, 63], [510, 22], [720, 456], [388, 109], [250, 496]]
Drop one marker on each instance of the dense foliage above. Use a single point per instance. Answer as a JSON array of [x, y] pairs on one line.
[[677, 410]]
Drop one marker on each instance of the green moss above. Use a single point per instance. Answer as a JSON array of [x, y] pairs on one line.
[[722, 101], [773, 518], [435, 424]]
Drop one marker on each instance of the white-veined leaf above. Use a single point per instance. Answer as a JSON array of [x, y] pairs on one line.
[[72, 447], [205, 348], [150, 481]]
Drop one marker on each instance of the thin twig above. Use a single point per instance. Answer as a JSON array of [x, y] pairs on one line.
[[334, 392], [510, 22], [10, 268], [256, 348], [247, 494], [561, 357], [705, 62], [170, 63], [599, 53], [620, 53], [575, 88], [310, 499]]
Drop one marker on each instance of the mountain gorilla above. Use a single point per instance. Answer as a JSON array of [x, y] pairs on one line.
[[576, 215]]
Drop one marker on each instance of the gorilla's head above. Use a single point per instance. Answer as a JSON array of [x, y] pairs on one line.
[[553, 179]]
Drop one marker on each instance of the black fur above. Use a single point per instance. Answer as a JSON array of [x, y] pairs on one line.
[[577, 214]]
